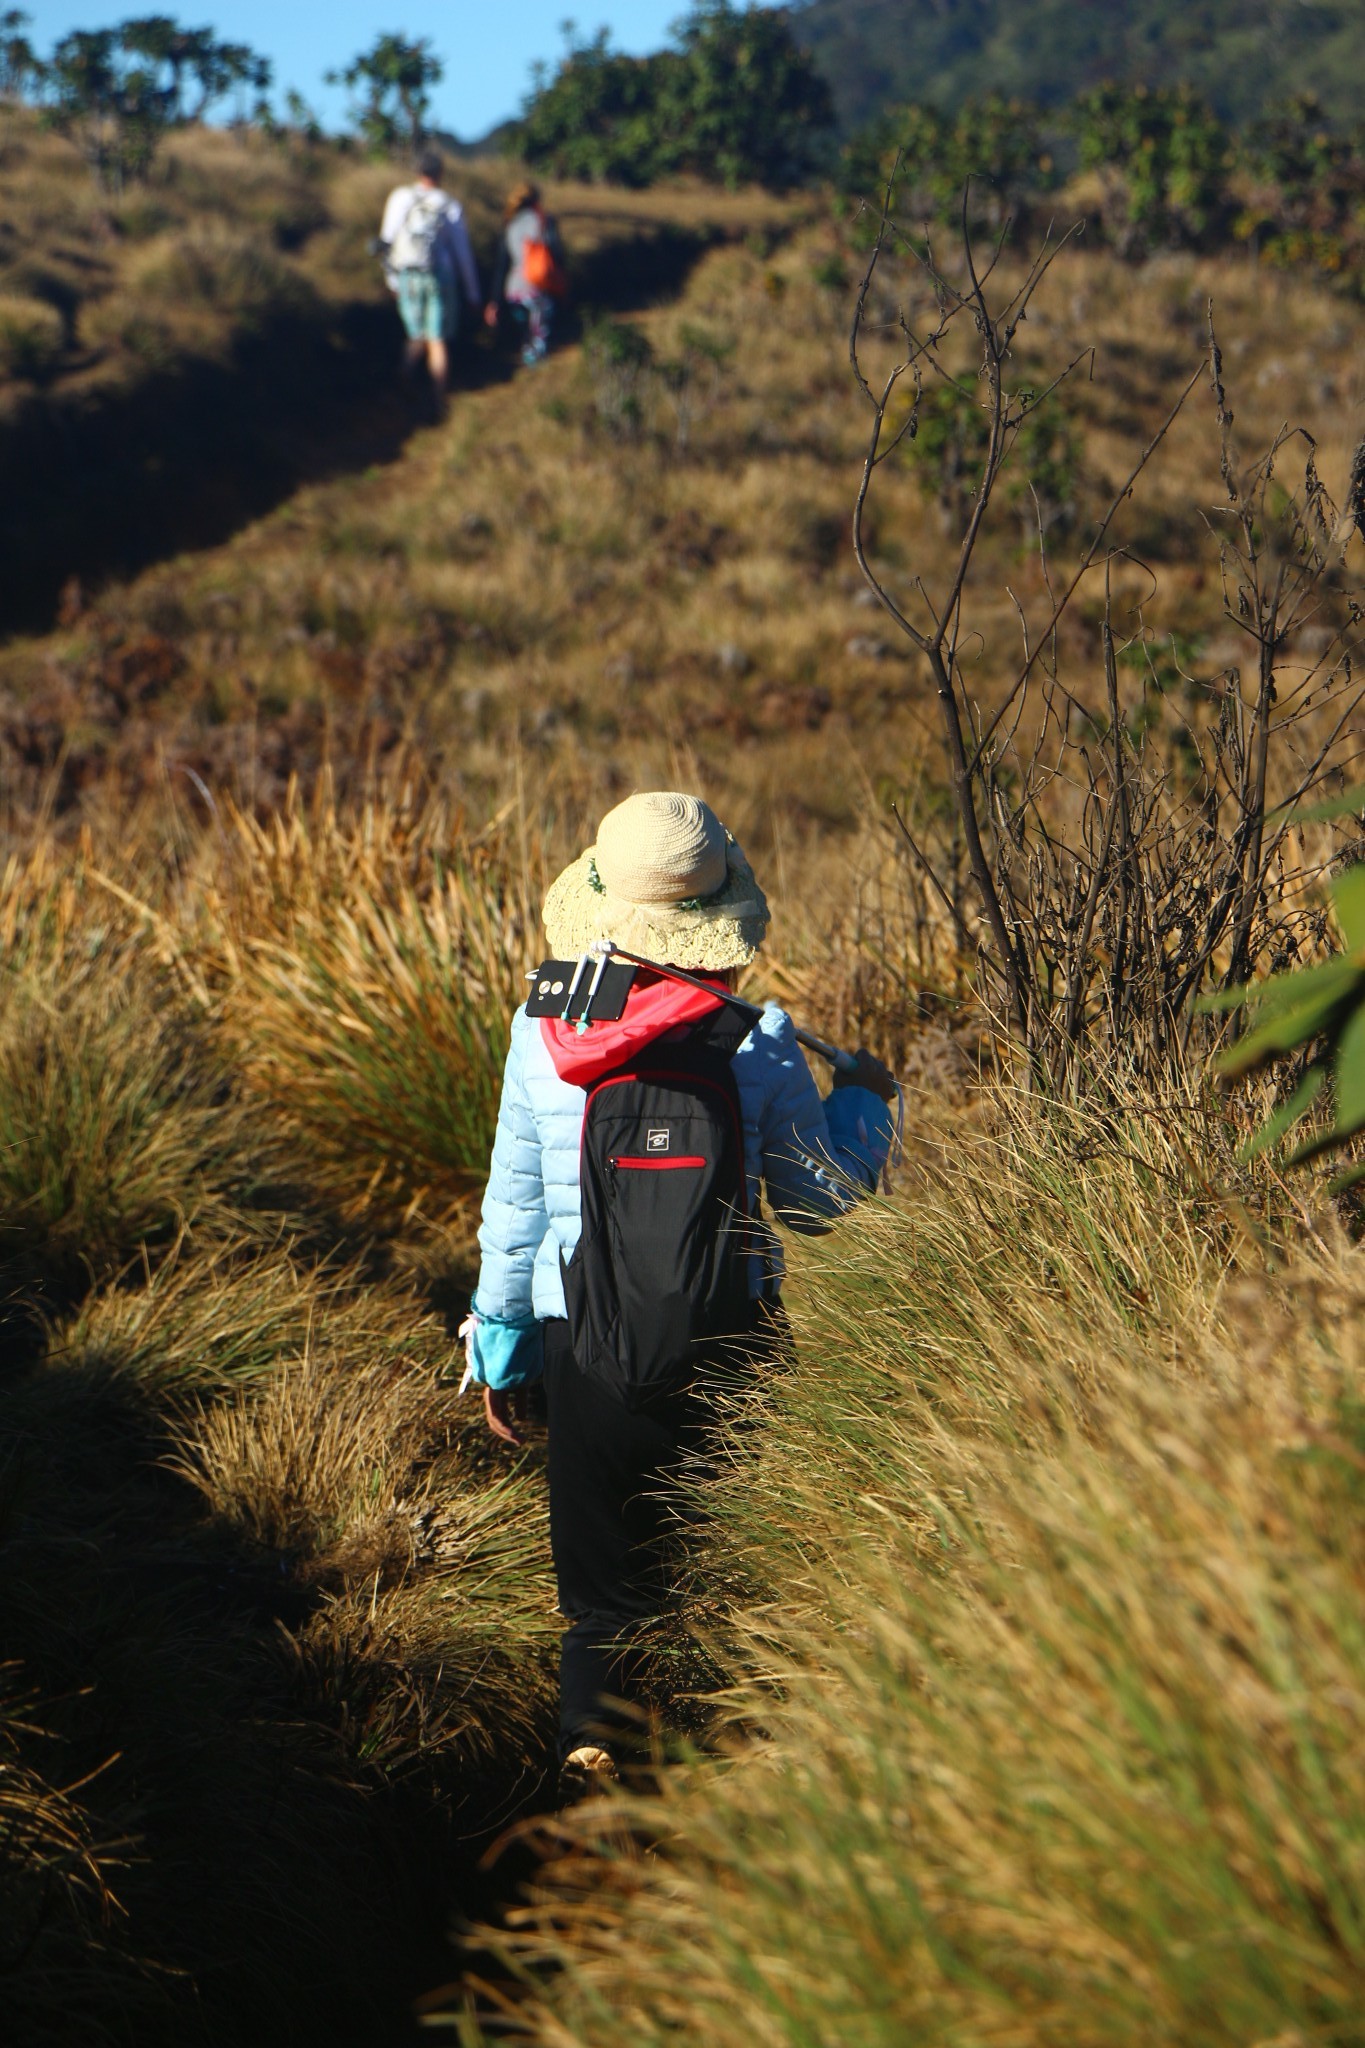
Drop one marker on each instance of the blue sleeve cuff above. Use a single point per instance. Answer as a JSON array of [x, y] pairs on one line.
[[506, 1354], [860, 1130]]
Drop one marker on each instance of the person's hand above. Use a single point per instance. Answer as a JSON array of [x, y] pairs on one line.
[[505, 1410], [868, 1073], [490, 313]]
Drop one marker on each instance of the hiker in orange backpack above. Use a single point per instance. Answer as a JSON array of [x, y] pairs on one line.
[[528, 274]]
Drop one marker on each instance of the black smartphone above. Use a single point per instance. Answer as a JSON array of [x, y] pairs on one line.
[[561, 988]]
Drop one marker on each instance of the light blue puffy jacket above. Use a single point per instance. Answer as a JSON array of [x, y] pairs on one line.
[[813, 1157]]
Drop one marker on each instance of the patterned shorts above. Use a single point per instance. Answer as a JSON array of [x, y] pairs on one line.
[[428, 305]]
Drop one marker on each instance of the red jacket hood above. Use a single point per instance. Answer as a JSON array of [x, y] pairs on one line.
[[653, 1009]]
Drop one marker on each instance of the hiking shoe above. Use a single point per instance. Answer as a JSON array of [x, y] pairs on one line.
[[585, 1770]]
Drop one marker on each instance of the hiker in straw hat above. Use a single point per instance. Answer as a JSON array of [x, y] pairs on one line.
[[624, 1253]]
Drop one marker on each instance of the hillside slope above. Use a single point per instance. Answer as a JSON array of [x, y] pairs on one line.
[[1242, 54], [178, 358], [280, 815]]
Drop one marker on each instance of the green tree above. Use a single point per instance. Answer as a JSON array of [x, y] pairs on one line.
[[108, 97], [392, 83], [116, 91], [1307, 202], [1165, 157], [735, 98], [596, 117], [20, 66], [192, 61], [745, 103], [994, 144]]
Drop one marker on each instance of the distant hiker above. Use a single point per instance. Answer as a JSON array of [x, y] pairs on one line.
[[427, 259], [528, 273], [624, 1250]]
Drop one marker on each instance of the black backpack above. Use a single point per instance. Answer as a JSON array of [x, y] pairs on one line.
[[660, 1270]]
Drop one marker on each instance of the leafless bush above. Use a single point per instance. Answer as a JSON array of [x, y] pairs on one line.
[[1112, 876]]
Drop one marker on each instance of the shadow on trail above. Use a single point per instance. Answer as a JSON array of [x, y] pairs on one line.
[[102, 488], [271, 1888]]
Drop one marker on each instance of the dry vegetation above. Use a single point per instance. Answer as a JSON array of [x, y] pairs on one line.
[[1063, 1493], [286, 1618], [632, 570], [230, 230], [1041, 1580]]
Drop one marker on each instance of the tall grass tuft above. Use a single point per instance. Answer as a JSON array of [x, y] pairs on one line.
[[369, 969], [115, 1127], [431, 1625], [59, 1912], [1057, 1647], [211, 1320]]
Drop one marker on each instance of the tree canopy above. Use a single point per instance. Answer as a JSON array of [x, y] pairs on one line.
[[734, 98], [392, 82], [1244, 57], [117, 90]]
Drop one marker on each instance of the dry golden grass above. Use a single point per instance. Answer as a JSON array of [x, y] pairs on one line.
[[536, 597], [368, 968], [1044, 1584], [1057, 1496], [263, 1571], [229, 229]]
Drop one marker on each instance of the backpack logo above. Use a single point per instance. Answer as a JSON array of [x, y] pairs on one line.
[[656, 1141]]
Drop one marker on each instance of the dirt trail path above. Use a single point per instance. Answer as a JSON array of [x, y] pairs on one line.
[[104, 488]]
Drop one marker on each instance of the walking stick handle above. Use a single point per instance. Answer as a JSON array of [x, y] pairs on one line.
[[841, 1061]]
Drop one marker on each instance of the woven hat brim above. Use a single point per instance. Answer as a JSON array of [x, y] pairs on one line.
[[726, 931]]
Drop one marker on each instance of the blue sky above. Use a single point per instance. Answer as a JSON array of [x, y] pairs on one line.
[[488, 46]]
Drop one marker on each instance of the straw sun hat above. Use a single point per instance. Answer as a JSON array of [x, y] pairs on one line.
[[664, 879]]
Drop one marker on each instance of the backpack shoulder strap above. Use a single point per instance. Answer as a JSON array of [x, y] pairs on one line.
[[711, 1043], [722, 1032]]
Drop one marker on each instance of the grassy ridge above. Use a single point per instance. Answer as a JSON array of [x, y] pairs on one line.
[[141, 333], [1043, 1581], [635, 569]]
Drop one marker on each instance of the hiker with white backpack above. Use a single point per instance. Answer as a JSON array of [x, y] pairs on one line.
[[428, 261], [625, 1257], [528, 271]]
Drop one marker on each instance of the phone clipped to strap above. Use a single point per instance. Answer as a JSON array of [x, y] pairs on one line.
[[587, 990]]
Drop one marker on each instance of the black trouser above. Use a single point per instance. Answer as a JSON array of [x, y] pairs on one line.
[[609, 1529]]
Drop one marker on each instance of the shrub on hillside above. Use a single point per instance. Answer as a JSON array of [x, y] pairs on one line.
[[1306, 201], [31, 337], [1159, 170], [222, 271], [948, 449], [1165, 158], [929, 158], [736, 100], [368, 982]]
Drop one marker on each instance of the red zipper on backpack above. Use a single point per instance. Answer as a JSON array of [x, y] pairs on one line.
[[657, 1165], [690, 1080]]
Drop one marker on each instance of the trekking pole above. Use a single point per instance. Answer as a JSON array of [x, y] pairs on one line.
[[841, 1061]]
